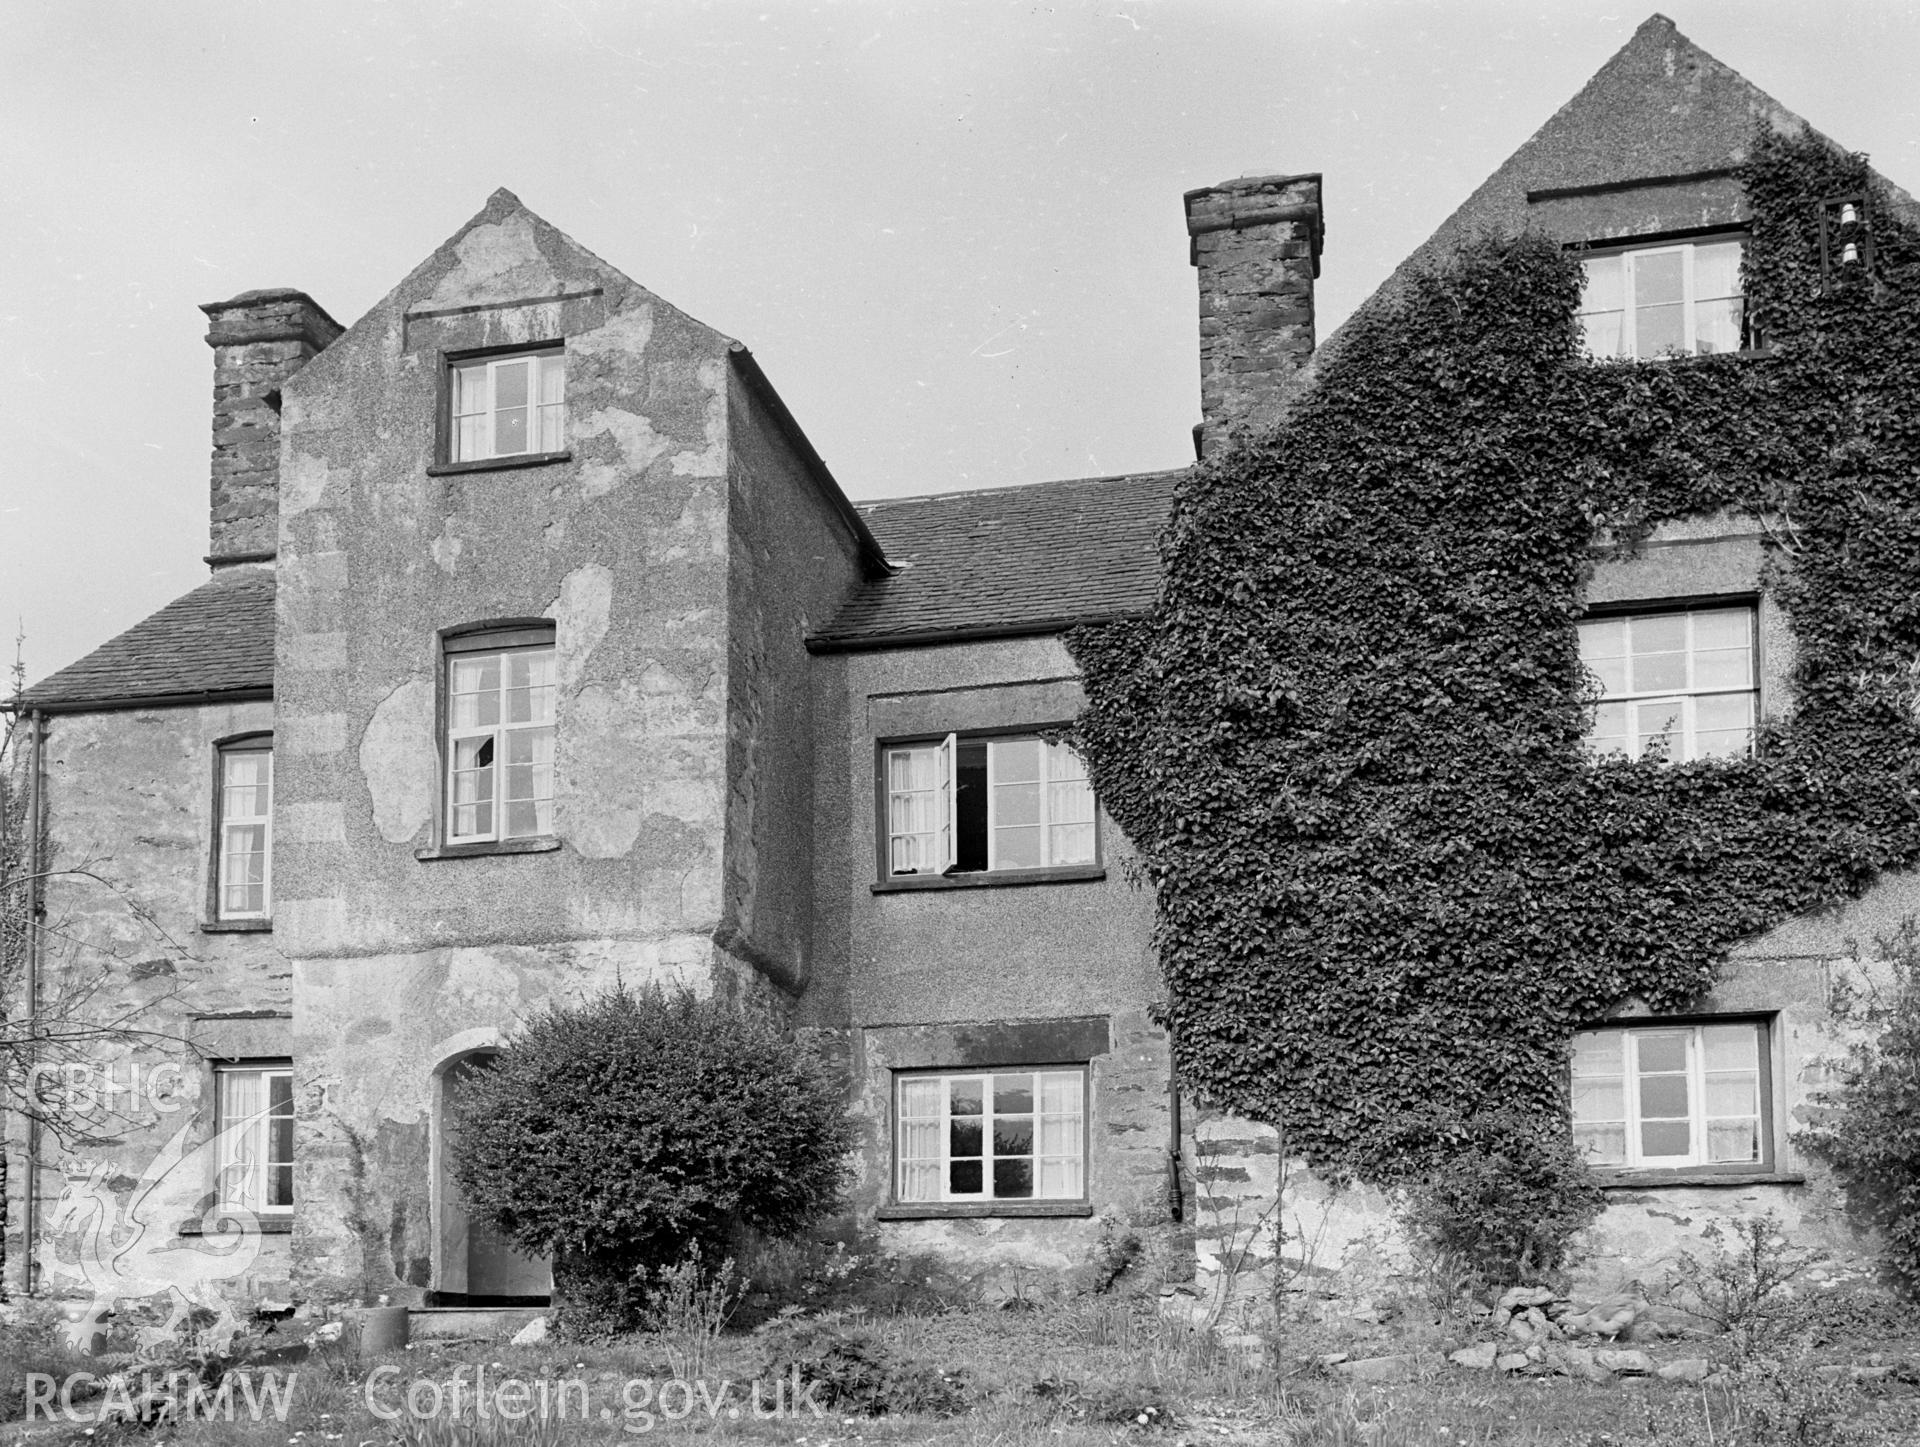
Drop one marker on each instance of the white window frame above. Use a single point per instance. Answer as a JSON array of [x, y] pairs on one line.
[[244, 1151], [943, 807], [945, 840], [1037, 1075], [1046, 824], [501, 647], [1629, 258], [1683, 736], [1698, 1156], [540, 360], [227, 824]]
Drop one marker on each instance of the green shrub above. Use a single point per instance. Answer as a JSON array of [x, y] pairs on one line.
[[1869, 1128], [1502, 1195], [628, 1133]]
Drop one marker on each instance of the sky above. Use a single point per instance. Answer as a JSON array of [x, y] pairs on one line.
[[950, 232]]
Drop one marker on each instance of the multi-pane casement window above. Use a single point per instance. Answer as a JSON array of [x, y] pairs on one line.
[[499, 742], [1003, 1135], [1663, 301], [1651, 1097], [508, 406], [243, 866], [1685, 677], [254, 1124], [960, 805]]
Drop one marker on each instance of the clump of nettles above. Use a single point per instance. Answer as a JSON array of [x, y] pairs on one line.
[[1348, 740]]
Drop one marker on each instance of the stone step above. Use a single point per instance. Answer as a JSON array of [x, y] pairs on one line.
[[428, 1323]]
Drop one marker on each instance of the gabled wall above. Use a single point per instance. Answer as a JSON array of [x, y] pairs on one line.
[[406, 956]]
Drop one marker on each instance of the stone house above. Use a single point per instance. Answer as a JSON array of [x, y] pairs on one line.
[[541, 650]]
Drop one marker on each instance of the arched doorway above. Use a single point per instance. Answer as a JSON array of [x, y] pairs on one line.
[[473, 1264]]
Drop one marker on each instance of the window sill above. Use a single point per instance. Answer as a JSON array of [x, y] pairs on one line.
[[990, 879], [265, 1225], [944, 1210], [236, 926], [1695, 1176], [544, 845], [498, 464]]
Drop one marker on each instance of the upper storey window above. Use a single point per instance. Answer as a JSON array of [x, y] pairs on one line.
[[500, 715], [244, 847], [1685, 679], [962, 805], [1664, 301], [508, 406]]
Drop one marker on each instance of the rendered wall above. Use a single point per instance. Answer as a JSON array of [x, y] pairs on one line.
[[945, 977], [406, 958]]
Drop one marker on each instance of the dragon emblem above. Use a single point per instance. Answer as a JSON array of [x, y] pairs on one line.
[[130, 1246]]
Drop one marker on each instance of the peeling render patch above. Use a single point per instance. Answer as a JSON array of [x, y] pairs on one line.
[[602, 822], [447, 548], [303, 483], [580, 616], [712, 460], [636, 446], [398, 761], [622, 339], [496, 260]]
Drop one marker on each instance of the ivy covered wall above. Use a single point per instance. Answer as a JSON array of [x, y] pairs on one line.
[[1348, 741]]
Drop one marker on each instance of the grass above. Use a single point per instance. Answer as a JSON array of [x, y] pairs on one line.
[[1067, 1374]]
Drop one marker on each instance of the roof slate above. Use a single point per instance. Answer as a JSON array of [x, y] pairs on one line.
[[1009, 560], [218, 639]]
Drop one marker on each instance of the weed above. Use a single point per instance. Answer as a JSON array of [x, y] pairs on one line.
[[1742, 1288], [687, 1309]]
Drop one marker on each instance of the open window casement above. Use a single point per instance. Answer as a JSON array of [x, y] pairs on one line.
[[945, 848], [922, 782]]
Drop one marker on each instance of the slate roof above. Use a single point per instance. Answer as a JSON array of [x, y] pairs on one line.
[[218, 639], [1006, 561]]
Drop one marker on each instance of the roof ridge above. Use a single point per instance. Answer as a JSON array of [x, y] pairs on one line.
[[1008, 489]]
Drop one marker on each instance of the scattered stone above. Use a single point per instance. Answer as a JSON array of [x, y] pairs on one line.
[[1630, 1361], [1687, 1369], [1521, 1297], [1536, 1353], [329, 1331], [1579, 1362], [1333, 1359], [1377, 1369], [1511, 1361], [1479, 1356], [532, 1334]]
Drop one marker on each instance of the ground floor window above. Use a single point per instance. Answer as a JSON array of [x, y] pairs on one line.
[[254, 1127], [1660, 1096], [1003, 1135]]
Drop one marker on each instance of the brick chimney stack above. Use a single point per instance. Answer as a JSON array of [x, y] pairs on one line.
[[1256, 242], [259, 339]]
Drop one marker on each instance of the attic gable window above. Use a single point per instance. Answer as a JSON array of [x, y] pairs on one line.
[[1680, 299], [998, 804], [512, 405]]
